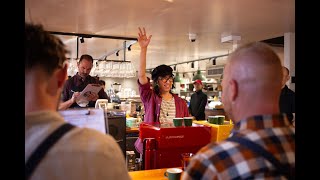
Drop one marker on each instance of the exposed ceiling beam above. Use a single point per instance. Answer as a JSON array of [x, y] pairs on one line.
[[92, 35]]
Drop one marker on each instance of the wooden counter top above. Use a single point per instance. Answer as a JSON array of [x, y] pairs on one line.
[[132, 130], [153, 174]]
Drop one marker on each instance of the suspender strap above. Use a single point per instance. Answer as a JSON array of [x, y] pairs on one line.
[[285, 170], [44, 147]]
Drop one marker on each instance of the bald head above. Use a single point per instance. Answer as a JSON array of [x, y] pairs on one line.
[[251, 76], [256, 66]]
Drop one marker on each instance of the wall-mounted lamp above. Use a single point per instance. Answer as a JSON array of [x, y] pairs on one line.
[[81, 40], [129, 48], [192, 65], [117, 53]]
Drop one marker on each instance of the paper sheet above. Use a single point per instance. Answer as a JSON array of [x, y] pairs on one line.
[[90, 118]]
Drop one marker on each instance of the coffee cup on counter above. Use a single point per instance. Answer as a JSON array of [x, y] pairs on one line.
[[177, 122], [212, 119], [187, 121], [220, 119], [173, 173]]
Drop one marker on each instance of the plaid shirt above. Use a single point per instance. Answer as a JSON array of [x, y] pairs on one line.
[[229, 160]]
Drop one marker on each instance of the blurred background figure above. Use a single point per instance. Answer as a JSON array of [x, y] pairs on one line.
[[198, 101], [103, 84], [287, 97], [81, 153]]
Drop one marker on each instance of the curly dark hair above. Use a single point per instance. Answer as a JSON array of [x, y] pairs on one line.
[[43, 49]]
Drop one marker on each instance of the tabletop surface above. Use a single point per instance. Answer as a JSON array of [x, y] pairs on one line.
[[153, 174]]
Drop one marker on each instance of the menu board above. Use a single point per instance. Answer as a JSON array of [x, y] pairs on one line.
[[83, 117]]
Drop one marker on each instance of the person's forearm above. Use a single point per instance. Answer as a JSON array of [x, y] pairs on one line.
[[66, 104], [142, 67]]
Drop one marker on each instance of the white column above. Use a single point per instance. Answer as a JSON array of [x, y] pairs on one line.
[[234, 45], [289, 56]]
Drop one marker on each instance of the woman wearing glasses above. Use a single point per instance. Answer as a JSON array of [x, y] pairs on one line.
[[161, 105]]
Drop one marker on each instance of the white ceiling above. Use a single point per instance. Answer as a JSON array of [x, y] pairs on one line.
[[169, 21]]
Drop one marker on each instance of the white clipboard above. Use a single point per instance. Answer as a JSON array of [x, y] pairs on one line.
[[89, 89]]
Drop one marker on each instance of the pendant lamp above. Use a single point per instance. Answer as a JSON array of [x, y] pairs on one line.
[[199, 75], [177, 78]]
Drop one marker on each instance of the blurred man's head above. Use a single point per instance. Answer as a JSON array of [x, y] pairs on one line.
[[85, 65], [102, 83], [45, 68], [285, 75], [198, 85], [251, 83]]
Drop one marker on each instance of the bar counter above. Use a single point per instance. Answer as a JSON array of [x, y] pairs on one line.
[[153, 174], [132, 130]]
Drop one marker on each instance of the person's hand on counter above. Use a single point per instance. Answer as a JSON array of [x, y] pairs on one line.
[[75, 95]]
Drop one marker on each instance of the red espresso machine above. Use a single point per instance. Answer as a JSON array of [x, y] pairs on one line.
[[162, 147]]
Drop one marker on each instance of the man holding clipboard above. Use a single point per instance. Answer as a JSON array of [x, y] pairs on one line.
[[73, 95]]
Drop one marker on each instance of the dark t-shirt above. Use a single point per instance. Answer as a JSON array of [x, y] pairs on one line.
[[197, 105], [77, 84], [287, 102]]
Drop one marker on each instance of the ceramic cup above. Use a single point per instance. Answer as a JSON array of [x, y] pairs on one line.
[[220, 119], [173, 173], [212, 119], [177, 122], [187, 121]]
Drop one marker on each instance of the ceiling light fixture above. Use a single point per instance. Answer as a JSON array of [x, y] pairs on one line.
[[81, 40], [199, 75], [214, 61], [177, 78]]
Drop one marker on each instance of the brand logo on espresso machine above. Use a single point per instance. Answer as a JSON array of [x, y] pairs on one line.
[[175, 137]]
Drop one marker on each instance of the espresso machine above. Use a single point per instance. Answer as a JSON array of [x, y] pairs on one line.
[[162, 147]]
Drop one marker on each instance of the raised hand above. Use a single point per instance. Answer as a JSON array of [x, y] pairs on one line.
[[143, 39]]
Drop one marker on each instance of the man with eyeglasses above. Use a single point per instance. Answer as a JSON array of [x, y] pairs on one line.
[[161, 105]]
